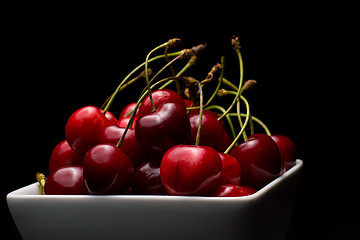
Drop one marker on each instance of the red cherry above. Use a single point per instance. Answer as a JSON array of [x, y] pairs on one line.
[[287, 150], [126, 110], [83, 128], [147, 179], [62, 156], [190, 170], [123, 122], [107, 170], [110, 117], [231, 170], [250, 189], [212, 131], [230, 190], [159, 97], [260, 160], [225, 143], [66, 181], [129, 146], [161, 130]]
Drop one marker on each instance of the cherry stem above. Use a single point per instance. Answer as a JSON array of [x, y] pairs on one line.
[[243, 128], [190, 63], [41, 179], [171, 42], [257, 120], [228, 118], [119, 88], [236, 46], [197, 140]]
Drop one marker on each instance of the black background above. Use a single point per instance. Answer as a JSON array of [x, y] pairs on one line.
[[60, 58]]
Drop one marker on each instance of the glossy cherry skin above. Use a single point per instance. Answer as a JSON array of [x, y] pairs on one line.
[[159, 131], [231, 170], [160, 97], [107, 170], [147, 179], [287, 150], [110, 117], [62, 156], [189, 170], [212, 131], [66, 181], [123, 122], [225, 143], [260, 160], [230, 190], [129, 146], [83, 128], [127, 109]]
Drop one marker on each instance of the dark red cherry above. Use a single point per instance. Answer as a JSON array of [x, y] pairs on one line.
[[287, 150], [190, 170], [147, 179], [250, 189], [160, 97], [225, 143], [212, 131], [260, 160], [159, 131], [66, 181], [231, 170], [63, 156], [229, 190], [107, 170], [83, 128], [129, 146]]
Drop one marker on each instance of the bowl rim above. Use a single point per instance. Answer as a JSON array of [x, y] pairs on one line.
[[19, 193]]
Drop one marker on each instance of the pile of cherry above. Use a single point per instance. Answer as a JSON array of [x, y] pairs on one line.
[[165, 144]]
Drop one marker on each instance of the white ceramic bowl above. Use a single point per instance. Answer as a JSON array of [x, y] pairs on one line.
[[263, 215]]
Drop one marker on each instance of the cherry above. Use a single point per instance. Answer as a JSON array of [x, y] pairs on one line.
[[231, 170], [287, 150], [190, 170], [127, 110], [107, 170], [62, 156], [110, 117], [129, 146], [147, 179], [83, 128], [66, 181], [212, 131], [225, 143], [230, 190], [123, 122], [159, 97], [161, 130], [260, 160]]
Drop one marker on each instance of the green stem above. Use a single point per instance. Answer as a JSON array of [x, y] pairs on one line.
[[240, 82], [41, 179], [190, 63], [119, 88], [243, 128], [197, 140], [228, 118], [219, 83], [257, 120]]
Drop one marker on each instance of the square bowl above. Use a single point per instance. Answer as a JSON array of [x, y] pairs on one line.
[[263, 215]]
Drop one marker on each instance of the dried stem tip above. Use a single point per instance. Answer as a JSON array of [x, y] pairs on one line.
[[40, 176], [248, 85], [173, 42], [235, 43]]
